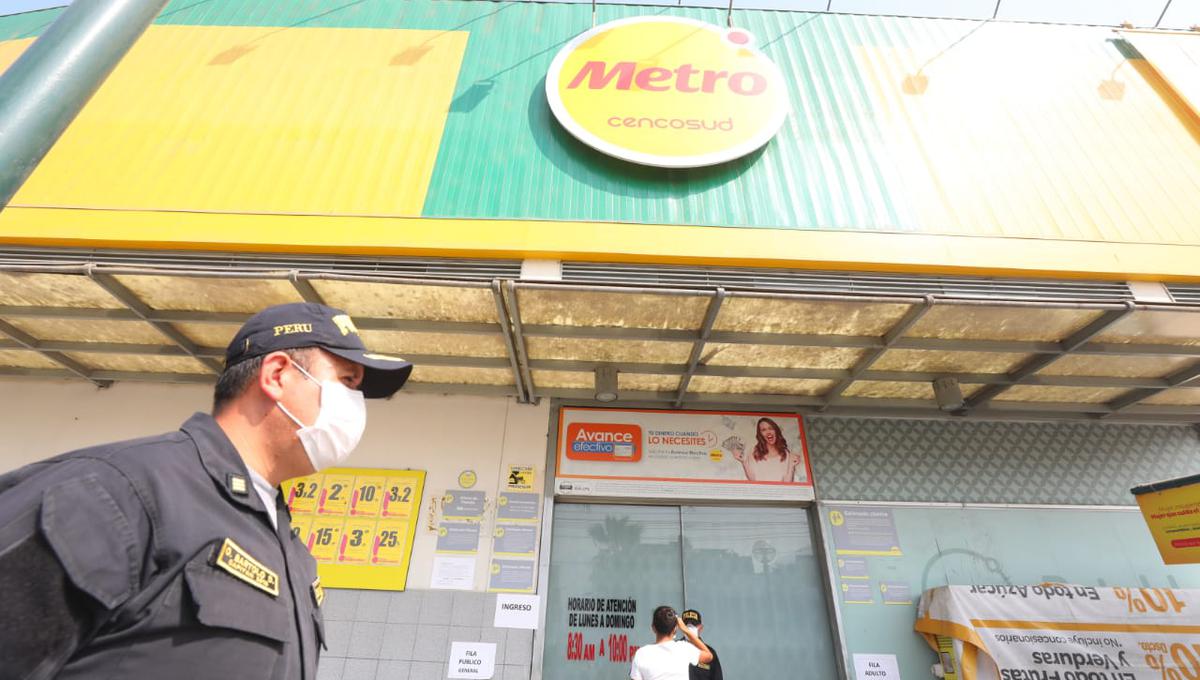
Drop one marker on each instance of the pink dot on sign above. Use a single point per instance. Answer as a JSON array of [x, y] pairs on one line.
[[739, 37]]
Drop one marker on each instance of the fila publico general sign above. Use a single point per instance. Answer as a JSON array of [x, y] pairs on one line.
[[667, 91]]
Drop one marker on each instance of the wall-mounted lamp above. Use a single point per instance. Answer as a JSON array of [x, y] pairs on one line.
[[948, 393], [606, 383]]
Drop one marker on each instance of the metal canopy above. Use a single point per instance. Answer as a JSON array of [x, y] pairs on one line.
[[103, 317]]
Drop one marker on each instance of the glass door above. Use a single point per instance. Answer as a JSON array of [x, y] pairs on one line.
[[753, 574], [610, 566], [755, 578]]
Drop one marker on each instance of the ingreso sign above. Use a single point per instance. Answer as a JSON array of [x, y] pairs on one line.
[[667, 91]]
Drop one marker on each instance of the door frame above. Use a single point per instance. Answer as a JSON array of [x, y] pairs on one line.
[[821, 544]]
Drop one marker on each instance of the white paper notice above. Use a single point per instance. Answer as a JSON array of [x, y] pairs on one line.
[[516, 611], [876, 667], [472, 660], [453, 573]]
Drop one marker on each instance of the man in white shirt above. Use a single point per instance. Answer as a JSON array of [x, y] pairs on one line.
[[667, 658]]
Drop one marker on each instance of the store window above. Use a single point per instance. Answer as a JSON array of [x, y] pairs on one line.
[[752, 572]]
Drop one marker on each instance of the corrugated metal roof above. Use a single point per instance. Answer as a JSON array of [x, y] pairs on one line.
[[1013, 130]]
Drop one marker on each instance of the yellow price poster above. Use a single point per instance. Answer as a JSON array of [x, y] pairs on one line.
[[357, 542], [324, 536], [358, 524], [303, 496], [335, 494], [397, 497], [1172, 512], [389, 543], [367, 497], [301, 526]]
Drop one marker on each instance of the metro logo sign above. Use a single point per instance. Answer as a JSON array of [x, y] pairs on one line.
[[598, 76], [667, 91], [604, 441]]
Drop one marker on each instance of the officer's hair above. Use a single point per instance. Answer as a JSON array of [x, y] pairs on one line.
[[236, 378], [664, 620]]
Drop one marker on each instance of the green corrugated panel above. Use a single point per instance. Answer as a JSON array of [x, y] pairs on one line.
[[1032, 144], [27, 24]]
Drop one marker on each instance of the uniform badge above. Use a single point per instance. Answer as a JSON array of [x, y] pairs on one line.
[[318, 591], [233, 559], [237, 484]]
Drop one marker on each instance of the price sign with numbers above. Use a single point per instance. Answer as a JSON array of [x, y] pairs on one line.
[[358, 523]]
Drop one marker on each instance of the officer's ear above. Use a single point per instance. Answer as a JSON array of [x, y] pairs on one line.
[[273, 374]]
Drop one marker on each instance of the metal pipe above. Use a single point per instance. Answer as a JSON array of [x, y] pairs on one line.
[[509, 347], [514, 310], [43, 91], [710, 317]]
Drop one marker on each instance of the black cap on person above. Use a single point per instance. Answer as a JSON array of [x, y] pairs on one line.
[[306, 324], [691, 616]]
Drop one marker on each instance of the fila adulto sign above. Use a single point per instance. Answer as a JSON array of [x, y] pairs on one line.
[[667, 91]]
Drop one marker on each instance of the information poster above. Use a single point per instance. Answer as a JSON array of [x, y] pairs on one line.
[[1172, 512], [358, 523], [515, 533], [682, 454]]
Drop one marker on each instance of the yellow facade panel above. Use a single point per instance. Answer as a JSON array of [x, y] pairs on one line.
[[241, 119]]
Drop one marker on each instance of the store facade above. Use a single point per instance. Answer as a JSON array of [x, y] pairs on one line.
[[927, 325]]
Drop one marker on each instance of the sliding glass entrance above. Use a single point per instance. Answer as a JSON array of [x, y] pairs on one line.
[[751, 572]]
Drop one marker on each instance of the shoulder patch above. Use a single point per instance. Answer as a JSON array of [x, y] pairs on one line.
[[233, 559]]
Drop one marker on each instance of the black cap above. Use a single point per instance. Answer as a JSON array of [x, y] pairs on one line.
[[691, 616], [306, 324]]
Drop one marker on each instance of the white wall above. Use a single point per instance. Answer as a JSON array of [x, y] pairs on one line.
[[442, 435]]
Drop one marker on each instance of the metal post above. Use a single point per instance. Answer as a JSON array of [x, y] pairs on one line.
[[43, 91]]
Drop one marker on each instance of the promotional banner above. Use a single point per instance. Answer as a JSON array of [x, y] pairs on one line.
[[1172, 511], [1064, 632], [358, 523], [682, 454]]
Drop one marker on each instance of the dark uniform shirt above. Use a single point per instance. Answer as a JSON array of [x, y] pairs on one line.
[[707, 671], [152, 558]]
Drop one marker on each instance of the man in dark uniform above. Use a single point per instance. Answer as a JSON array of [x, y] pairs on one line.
[[705, 671], [173, 556]]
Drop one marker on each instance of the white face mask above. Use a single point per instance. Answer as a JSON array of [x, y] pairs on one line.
[[341, 421]]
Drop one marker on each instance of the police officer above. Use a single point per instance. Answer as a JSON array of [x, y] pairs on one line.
[[705, 671], [173, 556]]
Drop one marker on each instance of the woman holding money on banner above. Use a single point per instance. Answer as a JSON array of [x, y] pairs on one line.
[[771, 460]]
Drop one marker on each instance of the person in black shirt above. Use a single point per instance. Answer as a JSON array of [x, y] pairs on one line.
[[704, 671], [173, 556]]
